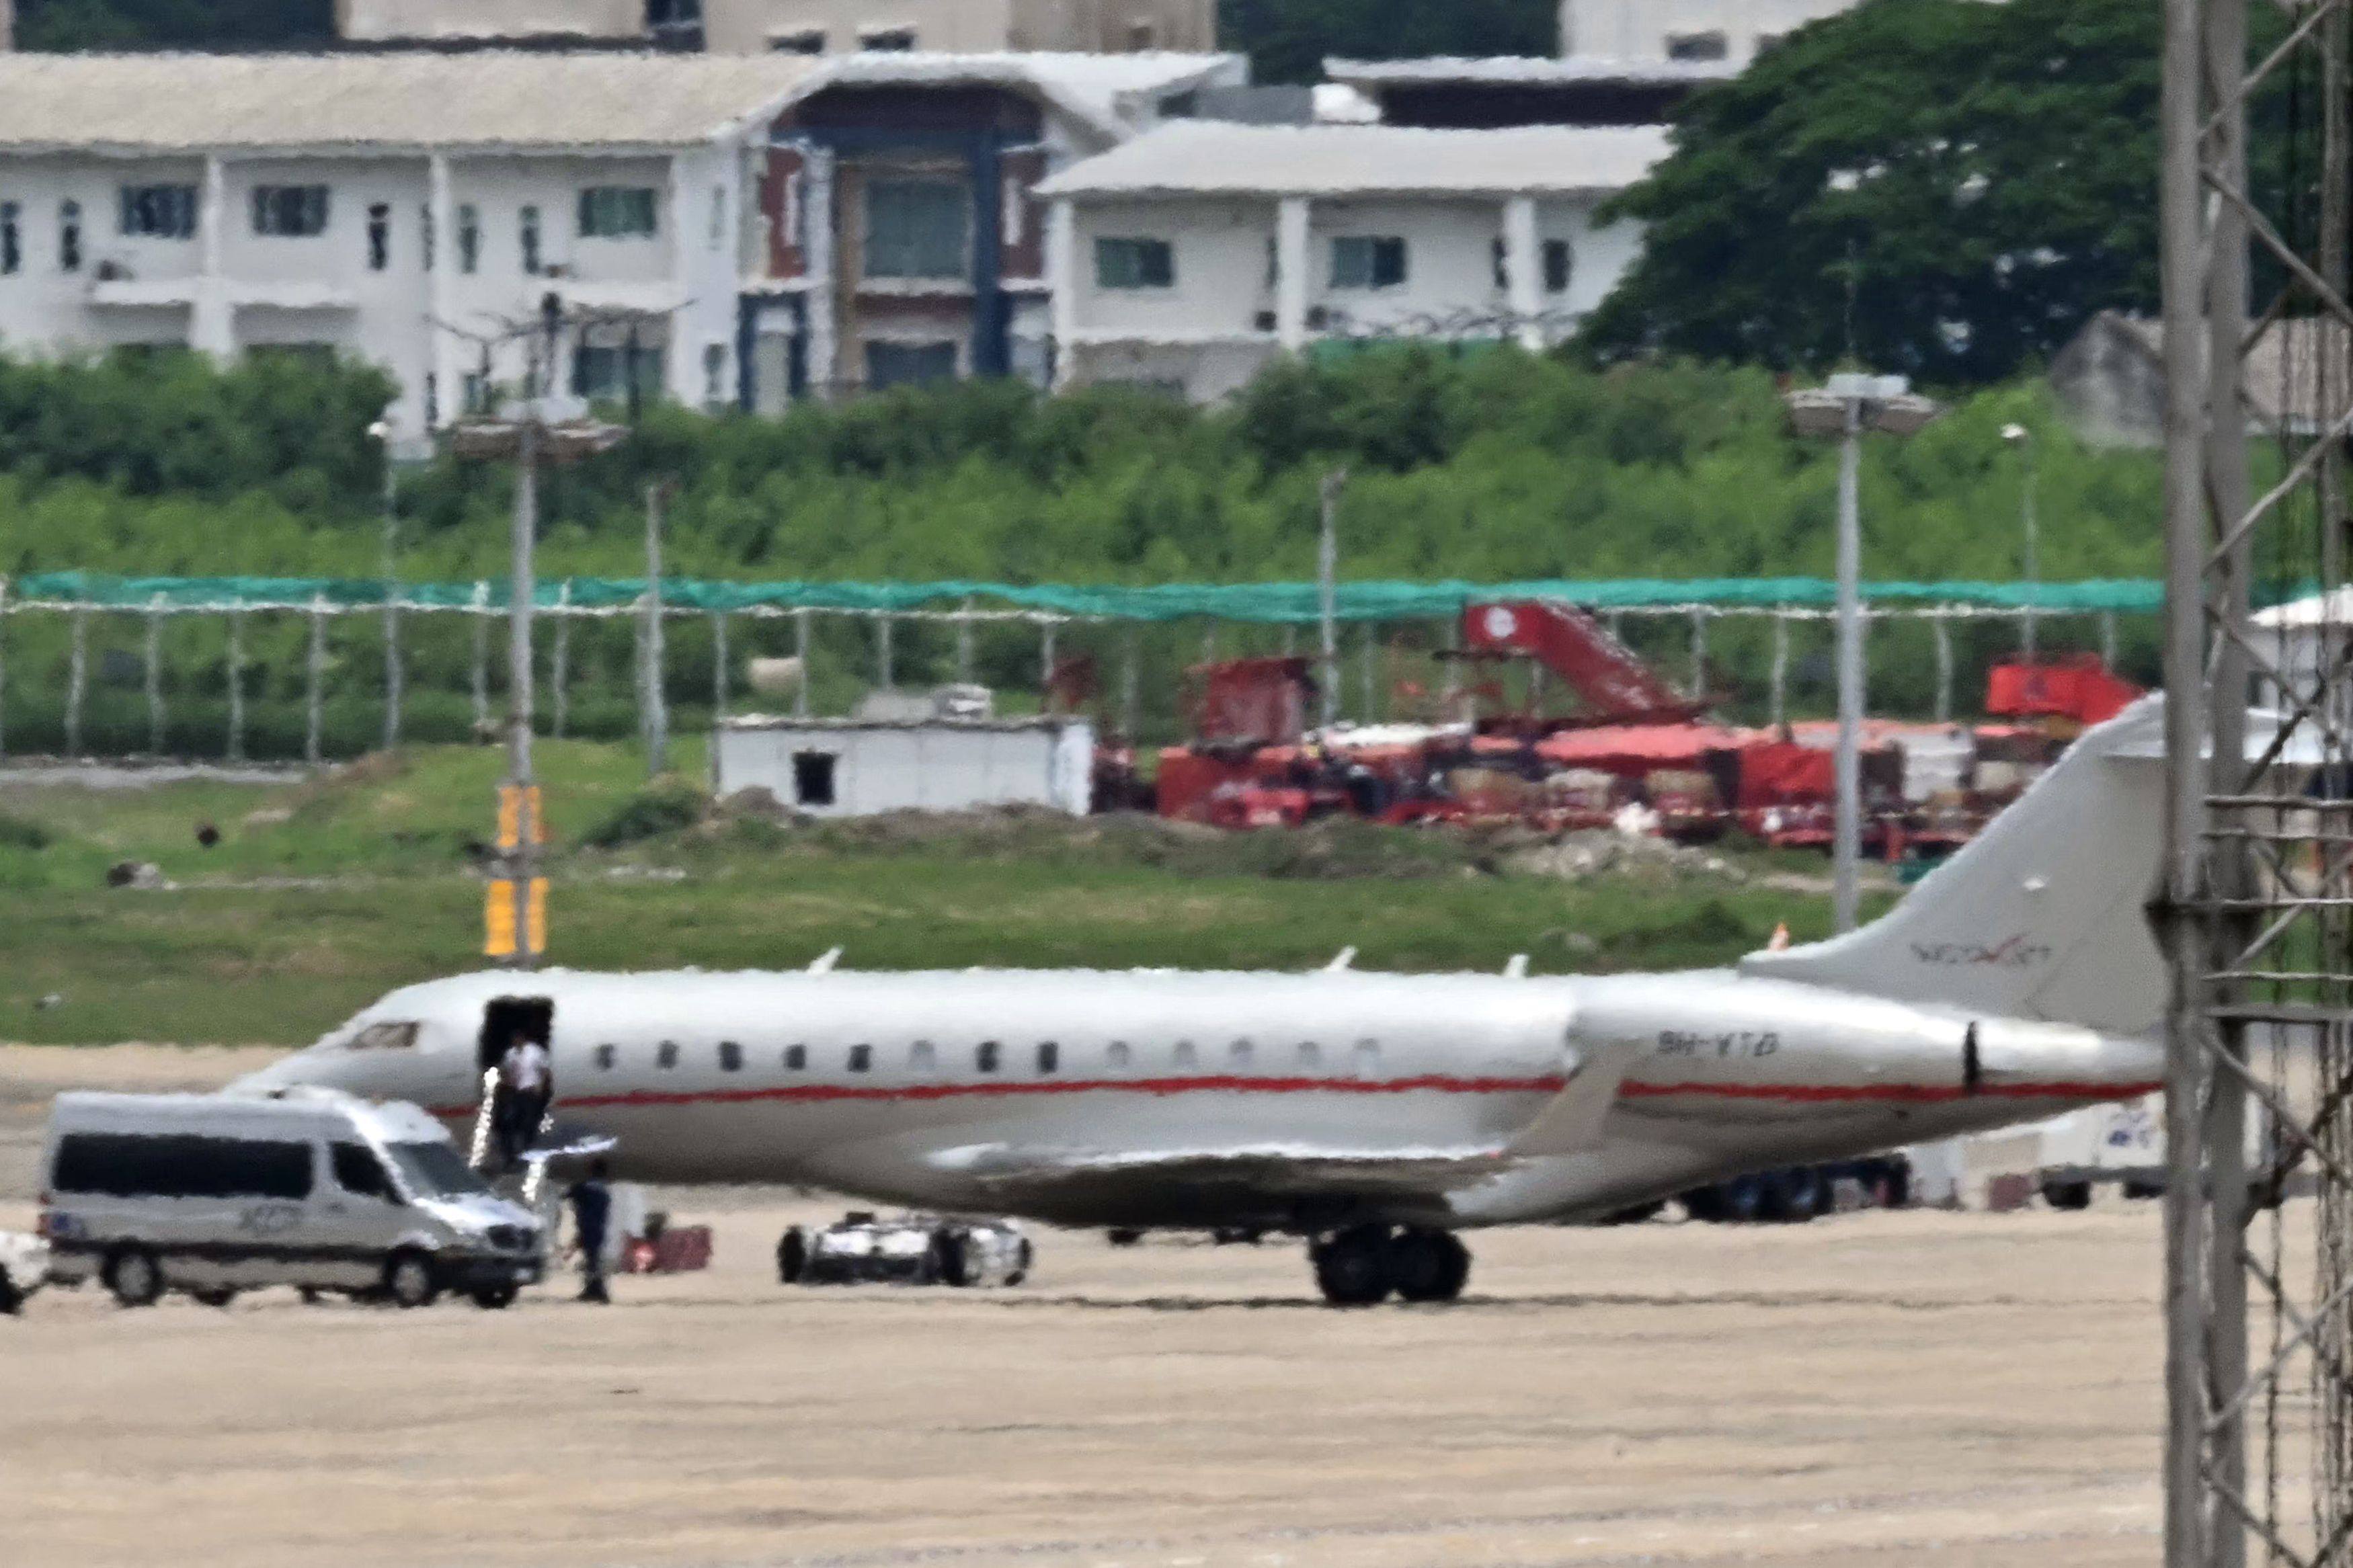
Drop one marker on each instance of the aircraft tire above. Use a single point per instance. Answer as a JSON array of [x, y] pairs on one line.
[[954, 1267], [1352, 1267], [134, 1277], [494, 1298], [1792, 1196], [2067, 1195], [219, 1298], [792, 1255], [1428, 1265], [1742, 1200]]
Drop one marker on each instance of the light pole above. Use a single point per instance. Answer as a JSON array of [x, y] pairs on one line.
[[381, 431], [1327, 590], [2019, 437], [1846, 407]]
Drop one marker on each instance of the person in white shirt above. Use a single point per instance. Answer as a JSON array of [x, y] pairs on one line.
[[524, 1074]]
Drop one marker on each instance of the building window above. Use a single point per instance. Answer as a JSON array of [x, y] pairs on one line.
[[661, 13], [1555, 266], [617, 212], [813, 778], [892, 365], [1142, 37], [1500, 254], [474, 392], [69, 236], [1696, 47], [795, 1058], [808, 41], [12, 238], [985, 1055], [917, 228], [714, 377], [425, 233], [1134, 264], [1368, 261], [290, 211], [862, 1058], [887, 40], [613, 374], [379, 236], [718, 217], [432, 401], [159, 212], [1012, 210], [530, 257], [793, 184], [470, 238]]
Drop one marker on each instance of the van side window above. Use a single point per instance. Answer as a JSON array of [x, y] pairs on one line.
[[985, 1057], [666, 1053], [180, 1165], [1050, 1056], [731, 1056], [606, 1057], [359, 1172], [862, 1058], [795, 1058]]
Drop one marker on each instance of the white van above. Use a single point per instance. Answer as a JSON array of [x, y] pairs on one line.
[[218, 1194]]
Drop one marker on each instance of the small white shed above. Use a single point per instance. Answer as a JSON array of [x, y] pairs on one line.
[[856, 767]]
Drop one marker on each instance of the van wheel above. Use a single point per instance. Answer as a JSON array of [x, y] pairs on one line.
[[134, 1277], [11, 1301], [219, 1298], [491, 1298], [409, 1279]]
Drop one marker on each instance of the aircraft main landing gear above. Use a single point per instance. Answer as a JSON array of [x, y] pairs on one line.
[[1364, 1264]]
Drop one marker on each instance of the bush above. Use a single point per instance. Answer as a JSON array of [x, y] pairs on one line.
[[669, 804], [16, 833]]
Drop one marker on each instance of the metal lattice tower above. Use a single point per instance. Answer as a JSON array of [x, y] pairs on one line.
[[2258, 901]]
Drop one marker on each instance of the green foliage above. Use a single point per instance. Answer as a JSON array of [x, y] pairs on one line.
[[21, 833], [666, 806], [1938, 187], [1288, 40]]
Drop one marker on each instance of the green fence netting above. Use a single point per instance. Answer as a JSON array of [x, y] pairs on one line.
[[1261, 602]]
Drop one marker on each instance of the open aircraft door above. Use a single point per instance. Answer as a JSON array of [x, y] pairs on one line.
[[506, 1021]]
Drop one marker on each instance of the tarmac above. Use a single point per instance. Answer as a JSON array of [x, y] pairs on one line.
[[1966, 1389]]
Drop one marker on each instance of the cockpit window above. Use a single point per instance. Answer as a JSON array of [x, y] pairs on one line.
[[384, 1036], [434, 1171]]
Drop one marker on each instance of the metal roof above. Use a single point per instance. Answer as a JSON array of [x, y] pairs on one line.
[[1207, 158], [491, 99], [1115, 94]]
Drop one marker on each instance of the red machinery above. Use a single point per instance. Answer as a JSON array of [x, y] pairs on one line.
[[1613, 685], [2077, 688]]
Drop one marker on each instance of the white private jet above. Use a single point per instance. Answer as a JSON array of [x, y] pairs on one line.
[[1376, 1114]]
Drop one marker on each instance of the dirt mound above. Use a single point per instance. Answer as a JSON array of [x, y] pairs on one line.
[[1580, 857]]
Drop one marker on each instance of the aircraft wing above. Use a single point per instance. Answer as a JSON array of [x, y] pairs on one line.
[[1269, 1169]]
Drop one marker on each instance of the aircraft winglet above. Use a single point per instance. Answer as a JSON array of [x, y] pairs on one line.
[[824, 962], [1346, 956], [1517, 969]]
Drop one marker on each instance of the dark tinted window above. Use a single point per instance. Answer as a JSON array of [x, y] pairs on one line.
[[985, 1058], [796, 1057], [731, 1056], [861, 1057], [181, 1165], [666, 1053], [359, 1171], [1050, 1056], [606, 1057]]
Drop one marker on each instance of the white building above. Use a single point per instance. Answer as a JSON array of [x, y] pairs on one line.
[[1688, 30], [1190, 256], [392, 208], [803, 26], [858, 767]]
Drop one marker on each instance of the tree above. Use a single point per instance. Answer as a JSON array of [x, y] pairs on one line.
[[1939, 187]]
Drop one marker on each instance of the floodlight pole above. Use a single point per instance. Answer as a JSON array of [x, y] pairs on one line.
[[1846, 857], [1327, 591]]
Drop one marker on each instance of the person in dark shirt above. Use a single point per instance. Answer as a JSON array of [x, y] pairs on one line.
[[592, 1209]]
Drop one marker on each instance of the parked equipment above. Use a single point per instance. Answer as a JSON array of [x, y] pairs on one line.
[[24, 1268], [911, 1249], [215, 1194]]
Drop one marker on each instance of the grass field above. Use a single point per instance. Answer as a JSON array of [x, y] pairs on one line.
[[322, 894]]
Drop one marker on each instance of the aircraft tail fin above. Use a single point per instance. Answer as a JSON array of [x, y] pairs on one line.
[[2043, 915]]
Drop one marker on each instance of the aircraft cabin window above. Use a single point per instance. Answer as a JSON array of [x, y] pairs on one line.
[[1050, 1056], [1115, 1056], [666, 1053], [1367, 1054], [921, 1058], [387, 1036], [862, 1058], [606, 1057], [795, 1058], [1185, 1055], [1239, 1053], [1310, 1054], [985, 1057], [731, 1056]]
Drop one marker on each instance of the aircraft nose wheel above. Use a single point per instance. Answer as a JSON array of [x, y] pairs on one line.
[[1363, 1264]]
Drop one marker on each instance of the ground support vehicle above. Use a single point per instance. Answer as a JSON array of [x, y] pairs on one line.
[[215, 1194], [911, 1249], [24, 1268], [1802, 1192]]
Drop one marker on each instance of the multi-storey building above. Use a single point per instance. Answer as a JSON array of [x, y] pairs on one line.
[[1189, 256], [1732, 31], [805, 26]]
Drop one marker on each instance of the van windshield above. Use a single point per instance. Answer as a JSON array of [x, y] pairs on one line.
[[434, 1171]]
